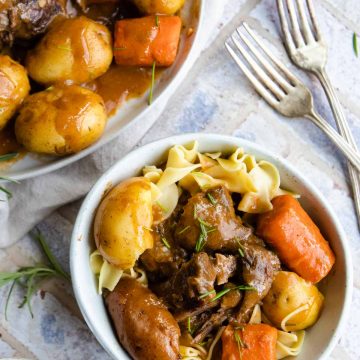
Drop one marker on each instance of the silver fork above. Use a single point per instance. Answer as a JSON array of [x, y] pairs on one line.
[[307, 49], [279, 87]]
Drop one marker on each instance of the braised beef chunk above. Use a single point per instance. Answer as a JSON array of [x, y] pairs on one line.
[[208, 326], [165, 257], [225, 266], [216, 212], [259, 268], [193, 279], [26, 18]]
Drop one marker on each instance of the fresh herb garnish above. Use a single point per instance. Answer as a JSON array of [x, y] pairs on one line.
[[241, 248], [184, 229], [189, 325], [157, 20], [223, 292], [165, 242], [8, 156], [205, 230], [64, 47], [162, 207], [195, 212], [211, 199], [152, 83], [147, 228], [29, 276], [207, 294], [239, 342], [120, 48], [355, 45]]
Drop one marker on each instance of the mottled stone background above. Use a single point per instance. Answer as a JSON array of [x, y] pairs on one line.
[[214, 98]]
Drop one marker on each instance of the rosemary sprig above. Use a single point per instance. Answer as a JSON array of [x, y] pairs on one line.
[[157, 20], [8, 156], [205, 230], [211, 199], [163, 239], [223, 292], [355, 45], [241, 248], [152, 83], [29, 276], [184, 229], [119, 48], [202, 296], [189, 325], [239, 342]]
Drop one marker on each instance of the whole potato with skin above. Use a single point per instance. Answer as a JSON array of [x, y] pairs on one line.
[[166, 7], [145, 327], [123, 221], [77, 49], [289, 292], [14, 87], [61, 120]]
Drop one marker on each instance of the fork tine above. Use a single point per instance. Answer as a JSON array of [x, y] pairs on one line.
[[289, 41], [256, 83], [275, 74], [309, 38], [293, 79], [311, 9], [299, 41], [259, 71]]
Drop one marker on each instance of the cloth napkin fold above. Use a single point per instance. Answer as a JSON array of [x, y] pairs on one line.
[[36, 198]]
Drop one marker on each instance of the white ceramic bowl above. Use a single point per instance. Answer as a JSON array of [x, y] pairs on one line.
[[134, 110], [337, 288]]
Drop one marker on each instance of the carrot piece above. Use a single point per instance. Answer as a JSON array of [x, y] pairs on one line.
[[296, 239], [252, 342], [143, 41]]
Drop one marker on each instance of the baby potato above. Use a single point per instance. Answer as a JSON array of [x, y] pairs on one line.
[[288, 293], [60, 120], [166, 7], [77, 49], [14, 87], [123, 221]]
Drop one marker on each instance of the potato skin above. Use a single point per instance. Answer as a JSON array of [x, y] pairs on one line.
[[144, 326], [288, 292], [78, 50], [61, 120], [14, 87], [122, 222], [166, 7]]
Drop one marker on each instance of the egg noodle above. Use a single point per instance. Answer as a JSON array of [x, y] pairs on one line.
[[186, 168], [257, 181], [109, 275]]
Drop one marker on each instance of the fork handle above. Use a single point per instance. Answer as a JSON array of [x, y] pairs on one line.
[[345, 131], [352, 155]]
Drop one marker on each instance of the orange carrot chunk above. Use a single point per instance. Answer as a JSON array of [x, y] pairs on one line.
[[143, 41], [296, 239], [252, 342]]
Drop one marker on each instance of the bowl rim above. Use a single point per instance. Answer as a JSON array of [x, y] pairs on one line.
[[186, 138], [168, 91]]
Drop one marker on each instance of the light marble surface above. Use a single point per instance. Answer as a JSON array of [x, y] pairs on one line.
[[215, 98]]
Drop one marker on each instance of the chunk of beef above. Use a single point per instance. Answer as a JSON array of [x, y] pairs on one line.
[[217, 212], [231, 299], [193, 279], [26, 18], [165, 257], [259, 268], [225, 268]]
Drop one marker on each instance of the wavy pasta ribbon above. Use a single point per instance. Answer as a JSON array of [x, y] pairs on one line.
[[289, 344], [109, 275]]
